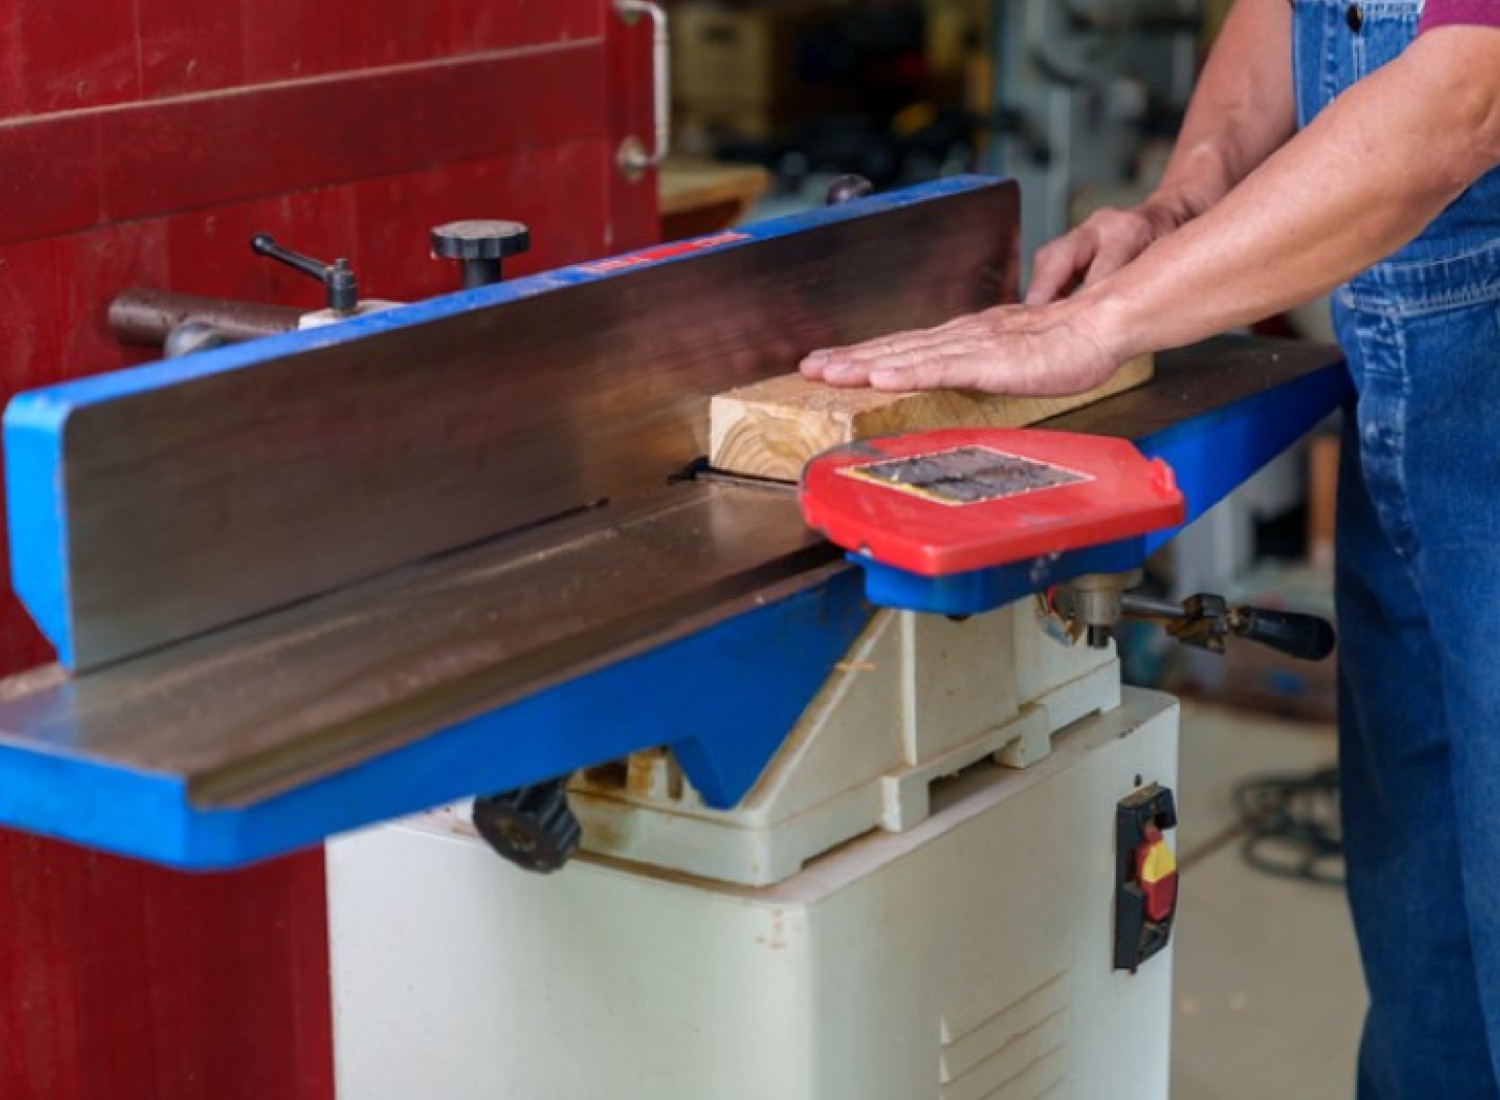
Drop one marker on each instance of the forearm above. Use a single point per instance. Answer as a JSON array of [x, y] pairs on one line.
[[1369, 174], [1365, 178], [1243, 110]]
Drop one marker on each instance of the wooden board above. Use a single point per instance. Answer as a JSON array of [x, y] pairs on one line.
[[770, 429]]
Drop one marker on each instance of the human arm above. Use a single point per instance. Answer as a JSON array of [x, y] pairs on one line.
[[1242, 111], [1363, 179], [1366, 177]]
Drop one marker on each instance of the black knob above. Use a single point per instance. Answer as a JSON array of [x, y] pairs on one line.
[[339, 284], [847, 188], [531, 827], [1303, 637], [480, 246]]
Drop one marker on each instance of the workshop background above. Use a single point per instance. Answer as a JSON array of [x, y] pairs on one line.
[[142, 143]]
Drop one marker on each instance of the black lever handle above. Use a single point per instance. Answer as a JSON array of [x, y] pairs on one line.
[[1305, 637], [338, 280], [1205, 620]]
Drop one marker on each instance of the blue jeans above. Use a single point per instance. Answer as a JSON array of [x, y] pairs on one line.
[[1418, 592]]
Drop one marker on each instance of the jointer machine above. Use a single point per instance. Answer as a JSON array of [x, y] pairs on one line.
[[851, 800]]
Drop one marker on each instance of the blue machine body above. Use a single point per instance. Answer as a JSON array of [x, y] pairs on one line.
[[723, 698]]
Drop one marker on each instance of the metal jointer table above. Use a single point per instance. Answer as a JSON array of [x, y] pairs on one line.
[[316, 581]]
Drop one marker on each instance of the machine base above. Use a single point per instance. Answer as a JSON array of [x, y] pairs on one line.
[[918, 698], [968, 957]]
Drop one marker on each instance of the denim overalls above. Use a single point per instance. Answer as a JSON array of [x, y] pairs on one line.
[[1419, 610]]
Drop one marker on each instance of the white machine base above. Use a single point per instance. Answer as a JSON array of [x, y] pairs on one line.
[[967, 958], [918, 698]]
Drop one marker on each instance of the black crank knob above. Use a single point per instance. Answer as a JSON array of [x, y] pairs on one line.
[[480, 246], [532, 827]]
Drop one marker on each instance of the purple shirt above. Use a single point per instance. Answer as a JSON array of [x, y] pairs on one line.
[[1445, 13]]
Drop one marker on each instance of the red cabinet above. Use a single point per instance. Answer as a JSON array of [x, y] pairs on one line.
[[142, 142]]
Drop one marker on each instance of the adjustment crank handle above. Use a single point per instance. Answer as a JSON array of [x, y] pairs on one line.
[[1304, 637], [1205, 621], [339, 283]]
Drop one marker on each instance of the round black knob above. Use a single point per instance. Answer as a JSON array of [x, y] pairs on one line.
[[480, 239], [848, 187], [479, 246], [531, 827]]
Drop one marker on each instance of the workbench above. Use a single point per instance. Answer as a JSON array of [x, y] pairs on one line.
[[697, 196]]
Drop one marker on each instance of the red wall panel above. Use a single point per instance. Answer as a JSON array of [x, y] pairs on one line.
[[96, 169], [66, 55], [142, 142], [126, 982]]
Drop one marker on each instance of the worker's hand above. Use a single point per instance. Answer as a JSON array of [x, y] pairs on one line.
[[1039, 352], [1099, 247]]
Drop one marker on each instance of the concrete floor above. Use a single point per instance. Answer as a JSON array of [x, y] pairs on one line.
[[1269, 997]]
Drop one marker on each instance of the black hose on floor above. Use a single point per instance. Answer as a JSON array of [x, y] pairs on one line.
[[1292, 824]]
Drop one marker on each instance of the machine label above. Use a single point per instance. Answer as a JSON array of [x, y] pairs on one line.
[[965, 475], [663, 252]]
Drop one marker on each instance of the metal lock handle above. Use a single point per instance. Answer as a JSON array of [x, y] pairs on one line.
[[339, 283], [634, 158]]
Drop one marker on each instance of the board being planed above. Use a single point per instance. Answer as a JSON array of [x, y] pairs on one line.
[[771, 429]]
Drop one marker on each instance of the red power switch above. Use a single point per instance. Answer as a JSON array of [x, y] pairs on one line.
[[1145, 875], [1156, 874]]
